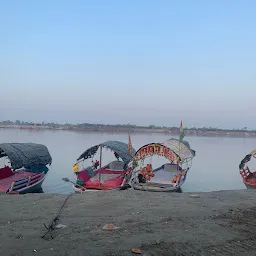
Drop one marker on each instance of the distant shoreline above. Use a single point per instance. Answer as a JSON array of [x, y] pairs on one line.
[[202, 132]]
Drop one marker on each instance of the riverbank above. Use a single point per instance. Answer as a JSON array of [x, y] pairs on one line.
[[216, 223]]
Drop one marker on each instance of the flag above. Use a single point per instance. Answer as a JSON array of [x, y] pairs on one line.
[[129, 145], [182, 135]]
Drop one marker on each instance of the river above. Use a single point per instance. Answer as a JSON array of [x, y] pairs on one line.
[[215, 166]]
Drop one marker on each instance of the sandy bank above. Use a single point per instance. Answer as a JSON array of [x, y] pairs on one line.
[[217, 223]]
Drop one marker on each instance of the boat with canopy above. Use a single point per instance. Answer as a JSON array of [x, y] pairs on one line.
[[246, 170], [110, 176], [25, 167], [170, 176]]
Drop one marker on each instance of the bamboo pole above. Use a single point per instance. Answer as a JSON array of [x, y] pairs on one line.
[[100, 165]]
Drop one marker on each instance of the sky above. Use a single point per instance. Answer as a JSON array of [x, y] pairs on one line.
[[131, 61]]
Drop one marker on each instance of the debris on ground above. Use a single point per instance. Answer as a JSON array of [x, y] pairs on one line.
[[194, 196], [136, 250], [60, 226], [110, 227]]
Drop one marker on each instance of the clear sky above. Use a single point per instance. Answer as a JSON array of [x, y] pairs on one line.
[[129, 61]]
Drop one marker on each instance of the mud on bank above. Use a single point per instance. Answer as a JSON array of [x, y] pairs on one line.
[[217, 223]]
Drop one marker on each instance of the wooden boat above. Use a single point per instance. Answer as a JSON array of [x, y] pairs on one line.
[[248, 176], [111, 176], [170, 176], [27, 170]]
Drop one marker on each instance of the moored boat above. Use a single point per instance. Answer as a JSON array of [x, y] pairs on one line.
[[168, 177], [110, 176], [27, 167], [248, 176]]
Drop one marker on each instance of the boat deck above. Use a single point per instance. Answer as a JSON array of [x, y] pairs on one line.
[[165, 174]]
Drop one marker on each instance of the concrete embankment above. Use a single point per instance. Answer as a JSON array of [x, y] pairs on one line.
[[216, 223]]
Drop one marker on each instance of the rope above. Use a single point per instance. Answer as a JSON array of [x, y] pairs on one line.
[[52, 226]]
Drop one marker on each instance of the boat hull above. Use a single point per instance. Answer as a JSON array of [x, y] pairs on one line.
[[35, 188], [250, 182], [86, 190], [250, 186], [150, 188], [111, 178]]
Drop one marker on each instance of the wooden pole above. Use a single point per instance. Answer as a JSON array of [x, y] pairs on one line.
[[179, 150], [100, 164]]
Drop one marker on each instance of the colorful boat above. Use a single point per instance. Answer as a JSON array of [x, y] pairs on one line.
[[170, 176], [248, 176], [27, 167], [111, 176]]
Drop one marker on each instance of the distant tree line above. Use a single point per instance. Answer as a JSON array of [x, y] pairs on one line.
[[126, 126]]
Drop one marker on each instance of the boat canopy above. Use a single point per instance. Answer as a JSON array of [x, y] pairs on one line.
[[25, 154], [247, 159], [120, 148], [171, 149], [182, 149]]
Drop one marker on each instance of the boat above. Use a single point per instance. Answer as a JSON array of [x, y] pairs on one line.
[[248, 176], [27, 167], [170, 176], [111, 176]]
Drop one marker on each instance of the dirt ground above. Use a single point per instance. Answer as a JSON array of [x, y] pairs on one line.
[[216, 223]]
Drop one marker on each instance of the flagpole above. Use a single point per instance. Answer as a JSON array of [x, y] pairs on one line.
[[179, 156], [129, 144], [181, 136]]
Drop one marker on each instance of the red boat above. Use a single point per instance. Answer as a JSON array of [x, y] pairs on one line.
[[248, 176], [114, 175], [27, 169]]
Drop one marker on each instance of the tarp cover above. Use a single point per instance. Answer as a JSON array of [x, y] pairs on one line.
[[119, 147], [182, 149], [25, 154]]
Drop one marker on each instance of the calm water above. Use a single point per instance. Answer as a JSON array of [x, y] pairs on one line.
[[215, 166]]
